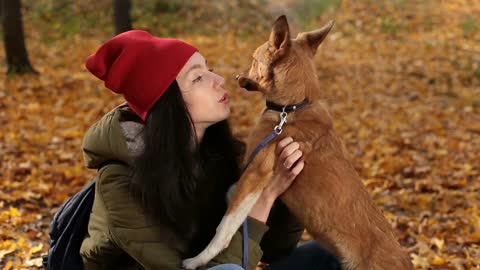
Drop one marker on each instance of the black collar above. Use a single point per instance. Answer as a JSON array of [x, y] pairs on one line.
[[287, 108]]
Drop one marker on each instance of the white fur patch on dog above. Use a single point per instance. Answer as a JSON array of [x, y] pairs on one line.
[[225, 231]]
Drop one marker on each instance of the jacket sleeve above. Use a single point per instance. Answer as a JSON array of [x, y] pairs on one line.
[[284, 233]]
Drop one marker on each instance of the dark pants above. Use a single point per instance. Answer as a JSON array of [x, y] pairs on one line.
[[309, 256]]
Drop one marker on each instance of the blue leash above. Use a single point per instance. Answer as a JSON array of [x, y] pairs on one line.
[[276, 131]]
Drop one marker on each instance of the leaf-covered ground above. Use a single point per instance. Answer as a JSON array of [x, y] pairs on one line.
[[402, 79]]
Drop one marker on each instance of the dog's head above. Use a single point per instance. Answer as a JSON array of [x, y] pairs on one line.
[[282, 63]]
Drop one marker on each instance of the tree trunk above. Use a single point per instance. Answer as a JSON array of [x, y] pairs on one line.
[[121, 16], [13, 37]]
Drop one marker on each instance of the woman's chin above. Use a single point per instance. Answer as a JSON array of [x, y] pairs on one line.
[[226, 115], [227, 112]]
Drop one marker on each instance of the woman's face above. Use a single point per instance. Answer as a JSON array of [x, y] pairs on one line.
[[203, 92]]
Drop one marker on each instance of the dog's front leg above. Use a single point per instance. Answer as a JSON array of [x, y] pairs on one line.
[[249, 189], [230, 193]]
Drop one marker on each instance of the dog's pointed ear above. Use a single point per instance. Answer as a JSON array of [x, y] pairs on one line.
[[280, 37], [315, 38]]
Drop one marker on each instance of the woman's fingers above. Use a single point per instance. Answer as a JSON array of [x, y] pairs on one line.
[[289, 177], [284, 142], [292, 158], [297, 169], [288, 150]]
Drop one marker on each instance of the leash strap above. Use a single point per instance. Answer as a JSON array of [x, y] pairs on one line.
[[245, 245], [264, 143], [268, 139]]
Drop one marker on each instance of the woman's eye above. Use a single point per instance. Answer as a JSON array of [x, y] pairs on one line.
[[199, 78], [210, 69]]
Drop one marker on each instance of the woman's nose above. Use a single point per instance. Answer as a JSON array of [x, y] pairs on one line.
[[219, 80]]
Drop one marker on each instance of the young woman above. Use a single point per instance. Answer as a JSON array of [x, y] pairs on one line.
[[166, 160]]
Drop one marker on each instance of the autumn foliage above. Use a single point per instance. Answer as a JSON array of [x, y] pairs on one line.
[[402, 79]]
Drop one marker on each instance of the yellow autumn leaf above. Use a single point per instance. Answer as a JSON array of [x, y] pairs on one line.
[[438, 261], [437, 243], [36, 249], [9, 265], [13, 212], [7, 250]]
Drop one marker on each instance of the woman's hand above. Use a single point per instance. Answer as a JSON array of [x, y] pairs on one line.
[[289, 164]]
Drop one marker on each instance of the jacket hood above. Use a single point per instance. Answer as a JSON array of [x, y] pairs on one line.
[[113, 138]]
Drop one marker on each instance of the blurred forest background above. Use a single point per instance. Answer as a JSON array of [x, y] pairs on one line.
[[402, 79]]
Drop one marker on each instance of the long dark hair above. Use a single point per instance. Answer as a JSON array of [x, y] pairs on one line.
[[180, 183]]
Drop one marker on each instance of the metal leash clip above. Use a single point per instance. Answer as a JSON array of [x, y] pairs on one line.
[[283, 120]]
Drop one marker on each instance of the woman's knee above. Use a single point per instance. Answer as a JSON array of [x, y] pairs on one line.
[[307, 256], [229, 266], [317, 255]]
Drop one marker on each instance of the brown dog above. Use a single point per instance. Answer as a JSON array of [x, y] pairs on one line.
[[328, 196]]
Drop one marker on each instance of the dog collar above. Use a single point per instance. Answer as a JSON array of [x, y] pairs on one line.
[[287, 108]]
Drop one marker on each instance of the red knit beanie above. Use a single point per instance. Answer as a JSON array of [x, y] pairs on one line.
[[139, 66]]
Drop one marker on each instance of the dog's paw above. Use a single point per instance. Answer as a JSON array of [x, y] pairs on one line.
[[192, 263]]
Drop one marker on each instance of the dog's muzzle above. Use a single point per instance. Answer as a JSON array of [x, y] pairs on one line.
[[247, 83]]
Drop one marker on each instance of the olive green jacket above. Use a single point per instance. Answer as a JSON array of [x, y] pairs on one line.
[[119, 234]]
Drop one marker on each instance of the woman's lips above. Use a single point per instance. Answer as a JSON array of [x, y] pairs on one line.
[[224, 99]]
